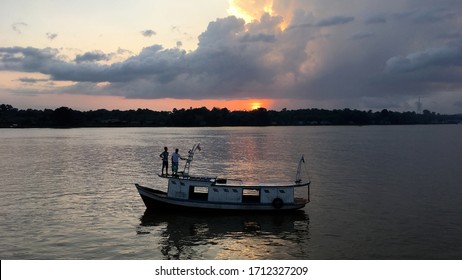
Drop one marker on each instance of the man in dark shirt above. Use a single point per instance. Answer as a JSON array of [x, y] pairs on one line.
[[164, 157]]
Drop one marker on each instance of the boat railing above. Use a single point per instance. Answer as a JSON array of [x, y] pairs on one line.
[[200, 178], [228, 181]]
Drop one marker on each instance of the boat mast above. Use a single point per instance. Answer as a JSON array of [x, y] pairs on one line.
[[298, 176], [190, 159]]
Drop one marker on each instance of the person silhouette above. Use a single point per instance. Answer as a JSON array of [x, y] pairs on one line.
[[164, 157], [175, 159]]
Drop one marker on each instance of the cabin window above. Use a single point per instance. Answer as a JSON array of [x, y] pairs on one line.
[[215, 190], [226, 190], [181, 184], [267, 191], [234, 190], [173, 182], [251, 195], [282, 191], [221, 181], [198, 193]]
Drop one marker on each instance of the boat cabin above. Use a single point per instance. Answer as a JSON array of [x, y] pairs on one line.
[[211, 189]]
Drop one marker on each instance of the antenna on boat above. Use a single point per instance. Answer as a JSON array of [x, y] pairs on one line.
[[419, 107], [190, 158]]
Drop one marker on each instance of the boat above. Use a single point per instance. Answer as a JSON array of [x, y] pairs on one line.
[[213, 193]]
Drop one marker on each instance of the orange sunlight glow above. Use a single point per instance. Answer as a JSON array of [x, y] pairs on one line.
[[232, 105], [237, 12], [250, 10], [253, 10], [255, 105], [81, 102]]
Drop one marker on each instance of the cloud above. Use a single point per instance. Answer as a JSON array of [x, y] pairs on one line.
[[432, 15], [27, 80], [93, 57], [337, 20], [440, 57], [268, 38], [51, 36], [362, 35], [331, 21], [26, 59], [377, 19], [17, 27], [148, 33]]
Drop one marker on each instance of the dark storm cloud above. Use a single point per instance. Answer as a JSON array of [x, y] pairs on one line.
[[259, 37], [332, 21], [362, 35], [27, 59], [433, 15], [376, 19], [26, 80], [338, 20], [441, 57], [458, 104], [92, 57], [429, 72]]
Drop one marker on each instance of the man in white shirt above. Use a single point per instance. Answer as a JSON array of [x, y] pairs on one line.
[[175, 159]]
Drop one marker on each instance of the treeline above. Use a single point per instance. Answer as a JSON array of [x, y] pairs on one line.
[[65, 117]]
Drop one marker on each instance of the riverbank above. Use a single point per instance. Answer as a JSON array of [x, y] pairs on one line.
[[65, 117]]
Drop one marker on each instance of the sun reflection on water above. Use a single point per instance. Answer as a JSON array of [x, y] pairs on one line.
[[205, 236]]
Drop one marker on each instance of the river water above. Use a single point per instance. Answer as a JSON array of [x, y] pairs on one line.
[[378, 192]]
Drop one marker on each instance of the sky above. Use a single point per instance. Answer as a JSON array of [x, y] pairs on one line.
[[238, 54]]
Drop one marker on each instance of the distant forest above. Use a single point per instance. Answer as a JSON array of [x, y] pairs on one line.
[[65, 117]]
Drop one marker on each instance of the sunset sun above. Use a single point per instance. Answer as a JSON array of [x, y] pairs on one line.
[[255, 105]]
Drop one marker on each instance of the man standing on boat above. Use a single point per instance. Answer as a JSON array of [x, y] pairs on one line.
[[175, 158], [164, 157]]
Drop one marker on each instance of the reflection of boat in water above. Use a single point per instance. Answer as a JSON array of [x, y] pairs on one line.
[[234, 236], [213, 193]]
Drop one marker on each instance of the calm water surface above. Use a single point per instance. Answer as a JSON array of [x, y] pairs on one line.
[[378, 192]]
